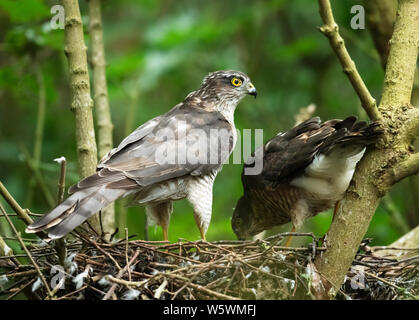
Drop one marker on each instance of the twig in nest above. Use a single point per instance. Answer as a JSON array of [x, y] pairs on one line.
[[103, 251], [120, 274], [126, 253], [22, 244], [202, 270]]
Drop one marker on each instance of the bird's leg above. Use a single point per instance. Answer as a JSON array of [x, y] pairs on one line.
[[165, 233], [287, 244], [299, 213], [200, 197], [202, 234], [335, 211], [200, 225], [161, 214]]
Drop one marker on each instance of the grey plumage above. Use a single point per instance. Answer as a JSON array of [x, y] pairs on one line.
[[136, 166]]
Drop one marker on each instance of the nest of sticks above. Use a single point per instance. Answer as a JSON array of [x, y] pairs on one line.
[[92, 268]]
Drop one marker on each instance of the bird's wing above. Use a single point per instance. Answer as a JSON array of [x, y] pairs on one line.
[[287, 155], [166, 147], [136, 135]]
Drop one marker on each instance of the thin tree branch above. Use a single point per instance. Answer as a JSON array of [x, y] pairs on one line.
[[60, 246], [331, 30], [100, 88], [61, 182], [81, 101], [103, 114], [22, 213], [406, 168]]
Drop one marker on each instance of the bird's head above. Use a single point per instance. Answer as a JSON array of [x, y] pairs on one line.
[[227, 86], [241, 222]]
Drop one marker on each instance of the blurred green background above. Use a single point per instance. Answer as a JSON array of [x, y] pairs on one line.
[[159, 51]]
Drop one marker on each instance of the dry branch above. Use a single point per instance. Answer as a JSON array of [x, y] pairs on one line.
[[261, 269], [61, 182], [121, 273], [23, 246], [60, 243]]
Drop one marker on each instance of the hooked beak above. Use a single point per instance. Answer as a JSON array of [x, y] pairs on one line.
[[251, 90]]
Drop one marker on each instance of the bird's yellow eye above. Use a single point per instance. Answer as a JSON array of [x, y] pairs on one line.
[[236, 82]]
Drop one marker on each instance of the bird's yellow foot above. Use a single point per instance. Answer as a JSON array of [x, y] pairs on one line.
[[287, 244]]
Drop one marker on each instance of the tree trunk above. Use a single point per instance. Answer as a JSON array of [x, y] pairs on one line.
[[385, 165]]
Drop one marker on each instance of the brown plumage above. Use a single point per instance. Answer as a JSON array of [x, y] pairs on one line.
[[306, 170], [162, 160]]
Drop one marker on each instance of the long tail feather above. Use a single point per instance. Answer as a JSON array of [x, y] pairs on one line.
[[74, 211]]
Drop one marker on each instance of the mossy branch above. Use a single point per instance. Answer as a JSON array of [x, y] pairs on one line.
[[81, 102], [404, 169], [401, 64], [381, 15], [369, 183]]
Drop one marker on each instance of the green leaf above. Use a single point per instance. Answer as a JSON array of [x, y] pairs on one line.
[[25, 10]]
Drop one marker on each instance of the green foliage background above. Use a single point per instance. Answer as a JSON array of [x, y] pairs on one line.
[[159, 51]]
